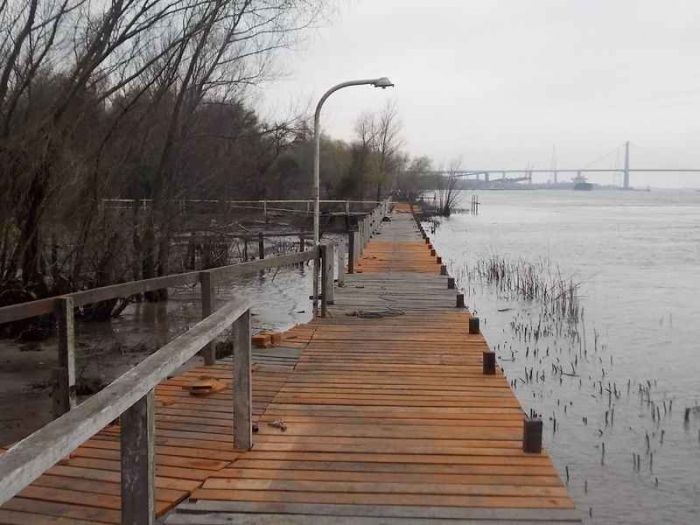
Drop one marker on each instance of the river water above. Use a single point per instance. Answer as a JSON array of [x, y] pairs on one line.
[[635, 257]]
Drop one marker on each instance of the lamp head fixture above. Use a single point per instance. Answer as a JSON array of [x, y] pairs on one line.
[[383, 83]]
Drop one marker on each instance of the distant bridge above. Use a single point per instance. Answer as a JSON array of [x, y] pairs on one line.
[[490, 175]]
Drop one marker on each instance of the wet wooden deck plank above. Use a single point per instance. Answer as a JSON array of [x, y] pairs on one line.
[[383, 413], [193, 441]]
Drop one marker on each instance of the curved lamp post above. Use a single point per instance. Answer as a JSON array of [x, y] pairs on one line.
[[383, 83]]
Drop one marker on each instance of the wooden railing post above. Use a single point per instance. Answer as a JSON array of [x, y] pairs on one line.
[[341, 264], [208, 299], [261, 245], [64, 395], [137, 436], [316, 273], [329, 264], [351, 251], [324, 279], [242, 384]]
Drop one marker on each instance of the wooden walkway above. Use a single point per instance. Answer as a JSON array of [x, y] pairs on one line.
[[378, 413]]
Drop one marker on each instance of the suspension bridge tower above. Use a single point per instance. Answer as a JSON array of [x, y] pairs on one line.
[[626, 180]]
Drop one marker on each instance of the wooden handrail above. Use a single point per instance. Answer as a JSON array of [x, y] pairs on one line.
[[31, 457], [131, 396], [39, 307]]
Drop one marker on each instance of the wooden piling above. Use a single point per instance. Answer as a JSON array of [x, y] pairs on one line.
[[489, 363], [474, 325], [460, 300], [450, 283], [443, 269], [532, 435]]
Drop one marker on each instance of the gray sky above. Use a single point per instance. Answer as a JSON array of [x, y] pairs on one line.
[[499, 84]]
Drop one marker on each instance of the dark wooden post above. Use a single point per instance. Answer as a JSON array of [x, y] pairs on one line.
[[324, 279], [208, 299], [443, 269], [301, 243], [450, 283], [64, 395], [242, 384], [474, 325], [351, 251], [532, 435], [439, 260], [137, 437], [261, 245], [489, 365], [460, 300]]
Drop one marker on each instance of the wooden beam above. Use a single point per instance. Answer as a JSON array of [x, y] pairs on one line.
[[329, 264], [341, 264], [64, 396], [351, 252], [242, 384], [208, 299], [137, 437]]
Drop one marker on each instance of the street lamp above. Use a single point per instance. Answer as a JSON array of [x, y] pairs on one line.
[[383, 83]]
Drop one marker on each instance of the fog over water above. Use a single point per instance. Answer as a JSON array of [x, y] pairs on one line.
[[635, 255]]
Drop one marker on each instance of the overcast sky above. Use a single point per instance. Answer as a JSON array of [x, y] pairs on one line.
[[506, 83]]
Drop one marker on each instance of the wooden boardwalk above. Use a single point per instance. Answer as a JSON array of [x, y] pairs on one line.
[[385, 413]]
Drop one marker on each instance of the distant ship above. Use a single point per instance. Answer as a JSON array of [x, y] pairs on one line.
[[581, 184]]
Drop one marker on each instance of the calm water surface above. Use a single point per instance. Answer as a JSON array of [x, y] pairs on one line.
[[636, 256]]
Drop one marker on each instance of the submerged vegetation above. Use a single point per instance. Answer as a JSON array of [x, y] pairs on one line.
[[538, 281]]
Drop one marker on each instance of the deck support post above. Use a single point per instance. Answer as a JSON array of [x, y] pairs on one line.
[[443, 269], [460, 300], [450, 283], [489, 363], [439, 260], [432, 252], [137, 437], [64, 396], [474, 325], [208, 298], [242, 384], [532, 435], [351, 251]]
